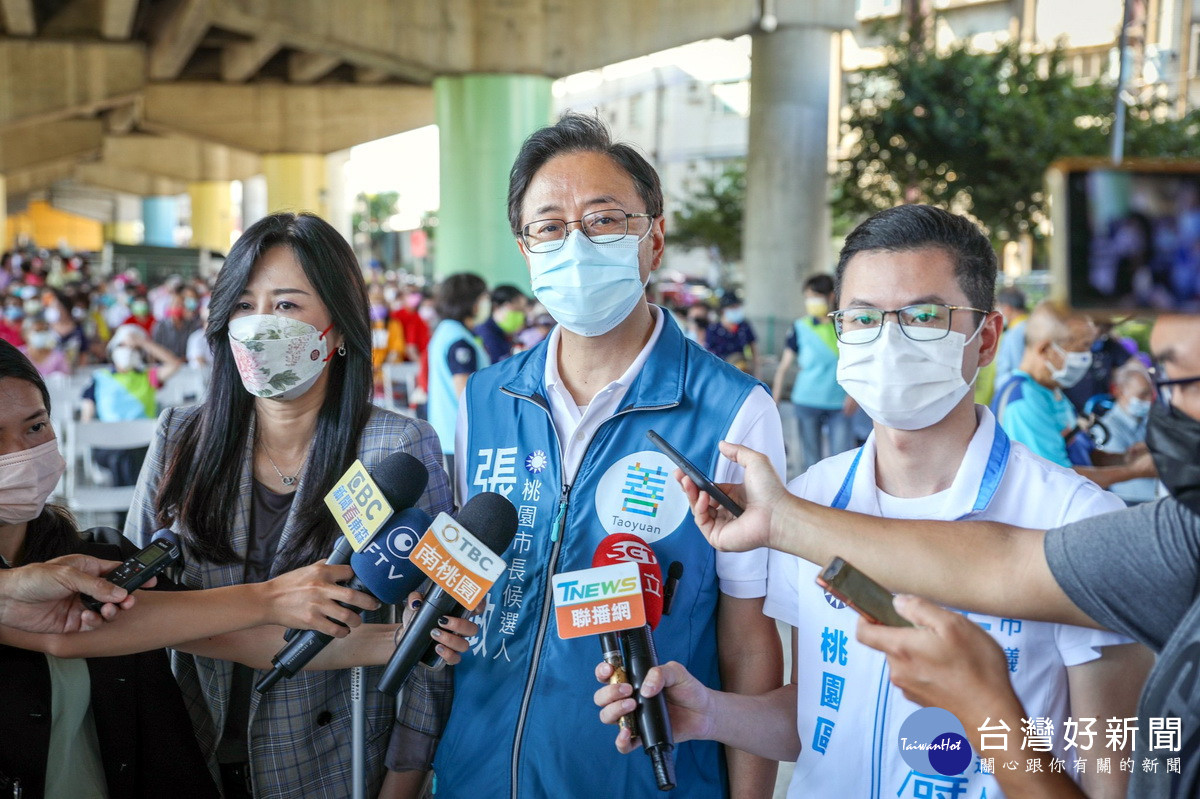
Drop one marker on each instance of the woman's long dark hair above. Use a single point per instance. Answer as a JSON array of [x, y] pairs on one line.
[[54, 532], [200, 484]]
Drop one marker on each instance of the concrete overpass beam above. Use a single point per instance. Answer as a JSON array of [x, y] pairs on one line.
[[179, 39], [310, 67], [240, 61], [180, 158], [130, 181], [276, 118], [116, 18], [18, 17], [87, 77], [29, 145]]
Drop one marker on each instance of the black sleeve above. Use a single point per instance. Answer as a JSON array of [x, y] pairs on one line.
[[792, 342], [89, 393], [462, 359], [1134, 571]]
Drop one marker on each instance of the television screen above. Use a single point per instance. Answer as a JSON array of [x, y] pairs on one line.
[[1132, 237]]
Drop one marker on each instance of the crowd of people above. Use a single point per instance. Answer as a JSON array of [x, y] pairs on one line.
[[546, 397]]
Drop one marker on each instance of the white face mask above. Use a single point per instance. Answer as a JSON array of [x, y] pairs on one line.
[[1138, 408], [277, 357], [27, 478], [588, 288], [125, 358], [1075, 366], [905, 384]]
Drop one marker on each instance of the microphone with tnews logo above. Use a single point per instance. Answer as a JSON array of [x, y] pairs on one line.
[[653, 722], [381, 565], [462, 556]]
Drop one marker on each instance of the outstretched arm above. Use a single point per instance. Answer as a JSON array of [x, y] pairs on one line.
[[986, 567]]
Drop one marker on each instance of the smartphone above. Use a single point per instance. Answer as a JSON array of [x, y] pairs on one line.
[[702, 482], [137, 571], [862, 593]]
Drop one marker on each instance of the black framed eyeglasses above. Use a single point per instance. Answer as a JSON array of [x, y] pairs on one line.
[[927, 321], [602, 227], [1163, 385]]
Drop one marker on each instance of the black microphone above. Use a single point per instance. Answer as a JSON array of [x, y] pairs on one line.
[[401, 479], [492, 519]]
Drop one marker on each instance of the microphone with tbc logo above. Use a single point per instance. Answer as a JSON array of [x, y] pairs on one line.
[[374, 545], [462, 557]]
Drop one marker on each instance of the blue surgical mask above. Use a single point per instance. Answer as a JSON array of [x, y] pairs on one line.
[[1138, 408], [588, 288]]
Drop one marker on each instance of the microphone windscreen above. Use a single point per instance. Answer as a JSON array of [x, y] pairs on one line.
[[383, 565], [491, 518], [628, 548], [402, 479]]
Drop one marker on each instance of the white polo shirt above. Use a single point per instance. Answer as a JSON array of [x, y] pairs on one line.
[[756, 425], [848, 714]]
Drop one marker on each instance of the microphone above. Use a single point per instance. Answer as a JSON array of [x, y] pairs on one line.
[[492, 520], [174, 572], [402, 480], [653, 721], [383, 569]]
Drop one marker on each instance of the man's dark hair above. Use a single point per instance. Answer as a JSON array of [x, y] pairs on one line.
[[575, 133], [502, 295], [456, 296], [1013, 297], [821, 284], [915, 227]]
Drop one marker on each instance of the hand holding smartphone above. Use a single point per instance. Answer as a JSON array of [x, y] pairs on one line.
[[869, 598], [698, 477]]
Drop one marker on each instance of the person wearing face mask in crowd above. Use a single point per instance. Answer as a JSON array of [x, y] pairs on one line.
[[41, 345], [125, 392], [1125, 425], [70, 337], [176, 325], [139, 314], [454, 353], [731, 337], [242, 480], [1033, 410], [820, 406], [507, 319], [387, 337], [10, 323], [1109, 352], [697, 324], [561, 429], [915, 322]]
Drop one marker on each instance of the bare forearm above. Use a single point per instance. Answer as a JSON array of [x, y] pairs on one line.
[[751, 663], [369, 645], [986, 567], [1108, 476], [159, 619], [763, 725]]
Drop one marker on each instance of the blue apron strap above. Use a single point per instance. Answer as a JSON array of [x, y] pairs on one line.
[[994, 473], [843, 495]]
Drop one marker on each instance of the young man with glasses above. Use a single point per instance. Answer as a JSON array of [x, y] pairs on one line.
[[915, 323], [561, 430]]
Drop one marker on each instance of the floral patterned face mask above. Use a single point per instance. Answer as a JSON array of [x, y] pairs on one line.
[[277, 357]]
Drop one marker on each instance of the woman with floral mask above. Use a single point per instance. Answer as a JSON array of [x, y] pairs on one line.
[[115, 725], [242, 479]]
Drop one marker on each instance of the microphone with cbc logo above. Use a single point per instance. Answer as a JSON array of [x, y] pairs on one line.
[[462, 557]]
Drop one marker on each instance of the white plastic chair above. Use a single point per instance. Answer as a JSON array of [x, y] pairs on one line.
[[186, 387], [399, 374], [82, 495]]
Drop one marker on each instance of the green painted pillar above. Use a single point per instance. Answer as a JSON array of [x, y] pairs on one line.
[[482, 121]]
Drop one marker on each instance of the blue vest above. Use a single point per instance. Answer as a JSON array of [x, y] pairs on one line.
[[816, 384], [523, 723], [443, 401]]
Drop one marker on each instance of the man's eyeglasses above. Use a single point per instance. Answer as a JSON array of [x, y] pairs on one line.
[[923, 322], [602, 227], [1164, 385]]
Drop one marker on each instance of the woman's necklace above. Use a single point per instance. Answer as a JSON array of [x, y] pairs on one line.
[[287, 480]]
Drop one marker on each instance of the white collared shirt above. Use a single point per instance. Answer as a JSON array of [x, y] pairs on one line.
[[756, 425]]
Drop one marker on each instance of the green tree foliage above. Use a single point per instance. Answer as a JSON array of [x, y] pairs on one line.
[[975, 132], [711, 217]]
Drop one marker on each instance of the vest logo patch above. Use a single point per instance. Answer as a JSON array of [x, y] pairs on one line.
[[638, 495]]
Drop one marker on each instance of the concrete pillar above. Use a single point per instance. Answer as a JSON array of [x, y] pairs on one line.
[[125, 227], [295, 182], [160, 217], [254, 200], [212, 214], [482, 121], [787, 223]]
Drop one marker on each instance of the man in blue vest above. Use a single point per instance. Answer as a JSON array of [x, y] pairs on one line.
[[561, 430]]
